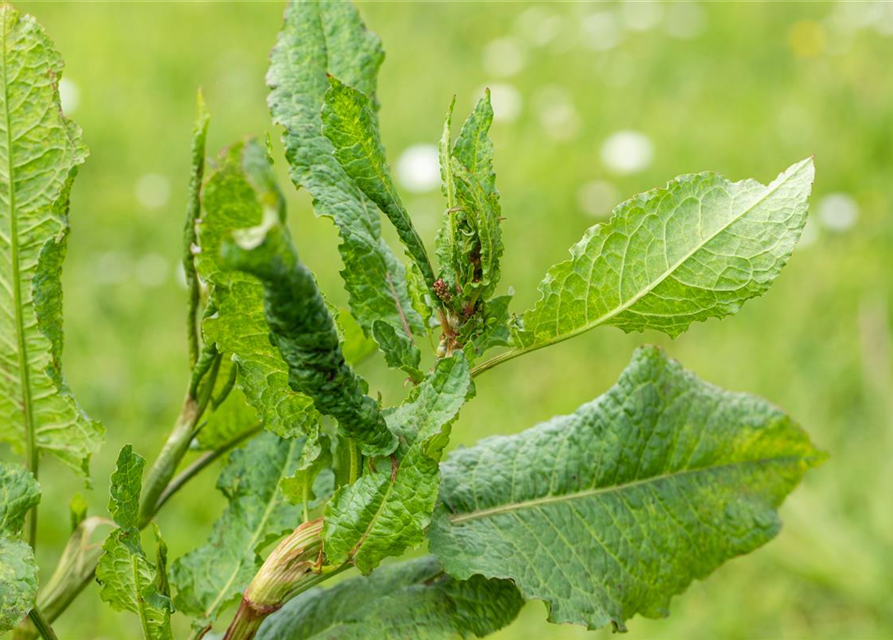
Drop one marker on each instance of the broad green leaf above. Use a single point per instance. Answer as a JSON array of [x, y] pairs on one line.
[[399, 350], [306, 486], [612, 510], [236, 195], [215, 574], [129, 581], [40, 151], [351, 125], [193, 211], [695, 249], [473, 147], [478, 219], [304, 332], [445, 244], [412, 600], [19, 493], [469, 243], [320, 38], [387, 510]]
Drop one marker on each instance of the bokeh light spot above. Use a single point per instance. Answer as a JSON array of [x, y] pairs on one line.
[[418, 168], [153, 190], [625, 152], [838, 211]]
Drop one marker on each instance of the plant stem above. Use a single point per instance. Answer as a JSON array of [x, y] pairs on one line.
[[177, 443], [171, 454], [43, 627], [499, 359], [196, 467]]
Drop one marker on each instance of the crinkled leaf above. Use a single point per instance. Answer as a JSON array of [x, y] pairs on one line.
[[473, 147], [411, 600], [19, 493], [18, 581], [237, 194], [129, 581], [469, 243], [480, 237], [40, 151], [215, 574], [351, 125], [193, 211], [496, 330], [612, 510], [320, 38], [306, 336], [388, 509], [399, 350], [695, 249]]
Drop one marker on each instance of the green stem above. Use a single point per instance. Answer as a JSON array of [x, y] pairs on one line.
[[176, 446], [502, 357], [43, 627], [196, 467]]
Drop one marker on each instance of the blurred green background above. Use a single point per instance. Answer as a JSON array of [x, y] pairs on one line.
[[595, 102]]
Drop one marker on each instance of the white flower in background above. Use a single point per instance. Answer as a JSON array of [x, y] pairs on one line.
[[838, 211], [685, 20], [556, 113], [601, 31], [153, 190], [503, 58], [69, 96], [538, 26], [152, 270], [597, 198], [641, 16], [506, 101], [625, 152], [418, 168]]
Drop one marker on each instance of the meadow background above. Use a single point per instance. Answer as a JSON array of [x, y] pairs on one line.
[[595, 102]]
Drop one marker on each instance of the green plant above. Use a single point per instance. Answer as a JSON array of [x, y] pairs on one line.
[[604, 513]]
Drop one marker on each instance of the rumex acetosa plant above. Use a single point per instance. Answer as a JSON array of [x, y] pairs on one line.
[[603, 513]]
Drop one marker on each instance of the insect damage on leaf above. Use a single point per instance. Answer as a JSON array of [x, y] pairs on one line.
[[305, 334], [130, 582]]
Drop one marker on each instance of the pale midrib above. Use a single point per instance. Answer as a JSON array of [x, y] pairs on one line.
[[588, 493], [373, 521], [256, 535], [24, 373], [140, 601], [512, 353]]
